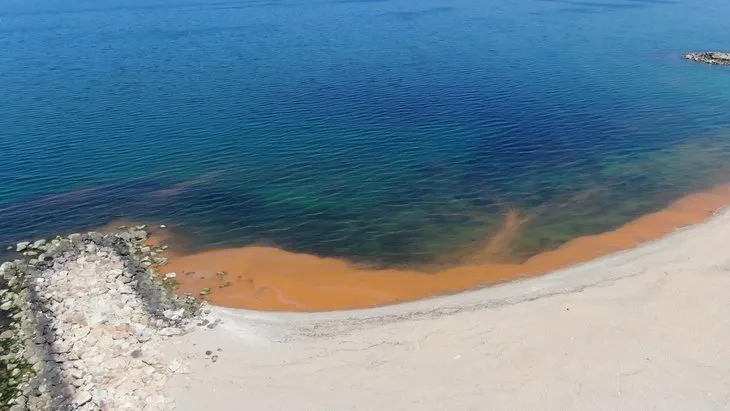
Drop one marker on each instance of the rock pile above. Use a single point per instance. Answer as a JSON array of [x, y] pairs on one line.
[[88, 320], [711, 57]]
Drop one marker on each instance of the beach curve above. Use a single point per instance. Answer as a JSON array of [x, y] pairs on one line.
[[271, 279], [641, 329]]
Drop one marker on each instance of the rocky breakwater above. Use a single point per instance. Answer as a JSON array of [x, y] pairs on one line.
[[710, 57], [85, 320]]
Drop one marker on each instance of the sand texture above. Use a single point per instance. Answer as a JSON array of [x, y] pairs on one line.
[[640, 330]]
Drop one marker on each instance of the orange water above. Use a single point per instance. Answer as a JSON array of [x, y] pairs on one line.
[[271, 279]]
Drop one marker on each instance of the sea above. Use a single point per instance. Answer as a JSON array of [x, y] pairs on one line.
[[383, 132]]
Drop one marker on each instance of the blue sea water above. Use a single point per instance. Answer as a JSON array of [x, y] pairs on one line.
[[383, 131]]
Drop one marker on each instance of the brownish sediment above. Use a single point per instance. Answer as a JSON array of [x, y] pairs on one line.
[[498, 247], [266, 278]]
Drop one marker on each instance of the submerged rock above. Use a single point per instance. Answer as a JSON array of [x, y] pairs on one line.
[[710, 57]]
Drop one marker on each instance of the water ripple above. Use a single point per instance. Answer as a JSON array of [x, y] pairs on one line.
[[382, 131]]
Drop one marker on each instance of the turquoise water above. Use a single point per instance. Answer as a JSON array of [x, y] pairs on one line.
[[393, 131]]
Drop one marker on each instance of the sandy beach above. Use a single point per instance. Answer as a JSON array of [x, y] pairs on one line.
[[642, 329]]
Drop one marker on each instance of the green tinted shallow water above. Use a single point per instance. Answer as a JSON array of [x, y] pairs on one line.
[[387, 132]]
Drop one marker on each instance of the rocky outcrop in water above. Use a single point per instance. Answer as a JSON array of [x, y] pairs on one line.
[[711, 57], [86, 320]]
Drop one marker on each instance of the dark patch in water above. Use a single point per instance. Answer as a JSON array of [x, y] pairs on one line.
[[441, 224]]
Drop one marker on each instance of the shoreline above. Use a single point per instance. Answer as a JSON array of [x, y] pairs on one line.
[[271, 279], [640, 329]]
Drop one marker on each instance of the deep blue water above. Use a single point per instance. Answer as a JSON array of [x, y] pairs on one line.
[[393, 131]]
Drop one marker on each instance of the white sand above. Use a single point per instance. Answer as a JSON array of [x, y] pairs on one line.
[[641, 330]]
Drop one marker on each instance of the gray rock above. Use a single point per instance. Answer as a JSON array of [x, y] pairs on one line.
[[144, 337], [5, 267], [121, 331], [74, 317], [20, 400], [81, 332], [174, 315], [38, 403], [710, 57], [170, 275], [96, 237], [61, 347], [21, 246], [170, 331], [39, 243], [75, 238], [81, 397], [76, 373], [139, 235]]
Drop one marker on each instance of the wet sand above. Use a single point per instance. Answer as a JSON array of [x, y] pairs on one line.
[[270, 279]]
